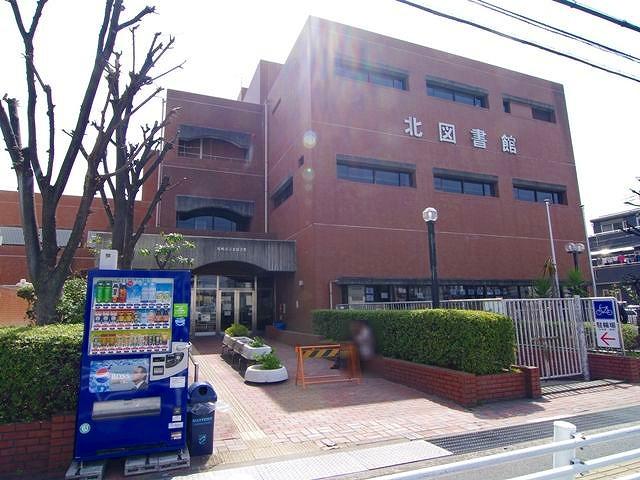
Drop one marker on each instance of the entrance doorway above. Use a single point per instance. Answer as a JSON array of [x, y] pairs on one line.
[[220, 301]]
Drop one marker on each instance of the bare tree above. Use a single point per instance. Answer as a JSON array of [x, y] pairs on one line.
[[48, 264], [135, 163]]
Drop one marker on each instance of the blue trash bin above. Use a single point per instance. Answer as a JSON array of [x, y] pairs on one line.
[[200, 418]]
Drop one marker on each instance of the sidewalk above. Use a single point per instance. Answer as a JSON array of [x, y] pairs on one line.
[[255, 423]]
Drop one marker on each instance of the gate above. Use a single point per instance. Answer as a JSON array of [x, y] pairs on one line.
[[549, 335]]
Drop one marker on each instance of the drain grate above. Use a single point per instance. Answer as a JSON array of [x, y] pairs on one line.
[[505, 436]]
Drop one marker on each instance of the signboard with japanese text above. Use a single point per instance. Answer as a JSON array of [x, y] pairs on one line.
[[607, 331]]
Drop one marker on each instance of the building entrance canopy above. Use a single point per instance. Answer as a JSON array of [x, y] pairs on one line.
[[267, 255]]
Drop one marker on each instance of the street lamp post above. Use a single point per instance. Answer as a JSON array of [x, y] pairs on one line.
[[430, 215], [553, 249], [575, 249]]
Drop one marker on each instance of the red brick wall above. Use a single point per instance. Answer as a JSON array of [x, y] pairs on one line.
[[13, 307], [614, 367], [44, 449], [461, 387]]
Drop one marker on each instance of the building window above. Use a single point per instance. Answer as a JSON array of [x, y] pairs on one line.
[[283, 192], [370, 174], [544, 114], [365, 73], [463, 185], [456, 94], [212, 219], [506, 106], [530, 194], [190, 148]]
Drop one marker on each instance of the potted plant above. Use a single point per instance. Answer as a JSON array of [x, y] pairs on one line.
[[254, 349], [235, 333], [268, 370]]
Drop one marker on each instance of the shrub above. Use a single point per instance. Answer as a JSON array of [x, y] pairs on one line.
[[269, 361], [237, 330], [471, 341], [630, 336], [70, 308], [39, 371], [257, 342]]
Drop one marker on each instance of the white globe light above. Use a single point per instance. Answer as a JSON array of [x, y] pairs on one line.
[[430, 214]]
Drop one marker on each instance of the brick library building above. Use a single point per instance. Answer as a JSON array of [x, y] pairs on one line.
[[307, 191]]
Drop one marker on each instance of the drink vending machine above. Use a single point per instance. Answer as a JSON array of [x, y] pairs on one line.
[[135, 358]]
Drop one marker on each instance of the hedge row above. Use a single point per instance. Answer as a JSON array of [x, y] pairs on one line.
[[471, 341], [39, 371]]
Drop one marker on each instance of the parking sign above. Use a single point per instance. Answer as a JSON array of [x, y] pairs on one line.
[[607, 332]]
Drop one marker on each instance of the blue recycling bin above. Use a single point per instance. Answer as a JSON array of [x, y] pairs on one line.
[[201, 412]]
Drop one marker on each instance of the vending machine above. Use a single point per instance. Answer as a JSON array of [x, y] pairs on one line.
[[135, 357]]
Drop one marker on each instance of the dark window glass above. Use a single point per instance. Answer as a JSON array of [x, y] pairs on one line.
[[460, 185], [533, 195], [386, 177], [405, 179], [450, 185], [284, 192], [371, 75], [456, 95], [380, 176], [542, 114], [473, 188], [213, 219], [506, 106]]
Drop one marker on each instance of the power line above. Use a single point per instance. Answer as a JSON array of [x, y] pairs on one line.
[[552, 29], [596, 13], [517, 39]]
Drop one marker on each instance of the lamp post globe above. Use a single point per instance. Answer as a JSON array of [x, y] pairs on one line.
[[430, 215], [574, 249]]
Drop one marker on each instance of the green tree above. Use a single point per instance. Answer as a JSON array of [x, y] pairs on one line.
[[169, 252], [576, 284]]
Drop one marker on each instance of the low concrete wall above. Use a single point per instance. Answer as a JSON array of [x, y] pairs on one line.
[[37, 449], [464, 388], [615, 367]]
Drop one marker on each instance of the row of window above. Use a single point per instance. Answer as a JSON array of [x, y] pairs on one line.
[[440, 89], [616, 224], [460, 183]]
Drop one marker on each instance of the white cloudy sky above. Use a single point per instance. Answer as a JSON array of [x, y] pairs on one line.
[[223, 40]]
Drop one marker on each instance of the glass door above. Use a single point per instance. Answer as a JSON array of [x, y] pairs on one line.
[[205, 305], [245, 309], [227, 309]]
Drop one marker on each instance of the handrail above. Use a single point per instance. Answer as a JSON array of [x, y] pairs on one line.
[[576, 466], [196, 367]]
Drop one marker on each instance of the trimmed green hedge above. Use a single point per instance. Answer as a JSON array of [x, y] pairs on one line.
[[39, 371], [471, 341]]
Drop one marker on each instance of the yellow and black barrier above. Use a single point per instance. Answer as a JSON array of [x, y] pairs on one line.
[[328, 352]]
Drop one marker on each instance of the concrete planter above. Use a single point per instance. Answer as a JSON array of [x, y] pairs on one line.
[[257, 374], [250, 353], [240, 342]]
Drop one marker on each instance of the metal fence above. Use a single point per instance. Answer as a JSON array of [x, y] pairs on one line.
[[485, 304], [553, 334]]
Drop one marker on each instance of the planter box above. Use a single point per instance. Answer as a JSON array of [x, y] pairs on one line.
[[250, 353], [464, 388], [256, 374], [614, 367], [240, 342]]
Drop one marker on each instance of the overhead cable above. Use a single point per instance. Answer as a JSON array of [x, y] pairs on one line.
[[517, 39], [596, 13], [552, 29]]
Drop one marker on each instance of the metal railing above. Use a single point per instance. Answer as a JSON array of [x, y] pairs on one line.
[[487, 304], [196, 367], [566, 465]]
